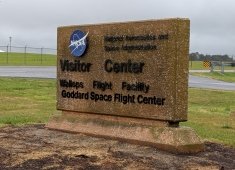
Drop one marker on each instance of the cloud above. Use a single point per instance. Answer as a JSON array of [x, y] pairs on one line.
[[35, 22]]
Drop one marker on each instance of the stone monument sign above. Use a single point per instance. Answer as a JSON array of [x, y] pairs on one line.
[[127, 81]]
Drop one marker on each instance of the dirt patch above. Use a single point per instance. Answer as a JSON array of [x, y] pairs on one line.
[[34, 147]]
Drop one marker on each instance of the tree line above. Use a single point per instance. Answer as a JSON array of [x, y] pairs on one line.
[[201, 57]]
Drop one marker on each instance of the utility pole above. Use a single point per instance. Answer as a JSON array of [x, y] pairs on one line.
[[10, 38]]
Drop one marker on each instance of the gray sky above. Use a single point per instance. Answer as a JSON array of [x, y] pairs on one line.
[[34, 22]]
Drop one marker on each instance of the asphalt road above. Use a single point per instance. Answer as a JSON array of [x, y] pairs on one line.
[[50, 72], [201, 82]]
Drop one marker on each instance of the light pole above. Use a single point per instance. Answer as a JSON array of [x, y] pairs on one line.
[[10, 38]]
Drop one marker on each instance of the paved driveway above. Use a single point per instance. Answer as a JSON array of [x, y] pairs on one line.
[[29, 71], [201, 82], [50, 72]]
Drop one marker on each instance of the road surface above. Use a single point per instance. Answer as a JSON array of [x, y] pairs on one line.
[[201, 82], [28, 71], [50, 72]]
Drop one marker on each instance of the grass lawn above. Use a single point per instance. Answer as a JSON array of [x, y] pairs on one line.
[[197, 65], [26, 100], [30, 59], [212, 115], [228, 77], [22, 101]]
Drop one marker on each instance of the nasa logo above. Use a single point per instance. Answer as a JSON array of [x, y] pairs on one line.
[[78, 43]]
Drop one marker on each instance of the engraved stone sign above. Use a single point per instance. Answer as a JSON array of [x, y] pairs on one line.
[[118, 73], [136, 69]]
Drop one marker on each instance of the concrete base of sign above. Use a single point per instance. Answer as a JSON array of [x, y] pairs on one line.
[[158, 134]]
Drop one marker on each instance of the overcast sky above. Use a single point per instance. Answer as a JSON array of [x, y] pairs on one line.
[[34, 22]]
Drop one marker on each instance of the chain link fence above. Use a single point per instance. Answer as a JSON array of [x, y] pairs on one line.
[[16, 55]]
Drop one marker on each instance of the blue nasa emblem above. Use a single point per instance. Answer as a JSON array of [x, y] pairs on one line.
[[78, 43]]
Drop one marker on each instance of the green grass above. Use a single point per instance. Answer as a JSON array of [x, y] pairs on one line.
[[227, 77], [23, 101], [30, 59], [26, 100], [198, 65], [212, 115]]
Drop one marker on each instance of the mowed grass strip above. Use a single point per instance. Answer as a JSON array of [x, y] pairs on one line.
[[22, 101], [212, 115], [28, 59], [25, 101], [227, 77]]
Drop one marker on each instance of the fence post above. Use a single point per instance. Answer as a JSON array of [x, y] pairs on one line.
[[41, 54], [222, 67], [25, 54], [212, 66], [7, 54]]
